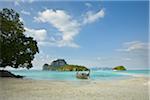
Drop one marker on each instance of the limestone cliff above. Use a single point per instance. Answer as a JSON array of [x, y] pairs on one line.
[[61, 65]]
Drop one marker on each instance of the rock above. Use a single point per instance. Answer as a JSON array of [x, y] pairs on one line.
[[55, 64], [58, 63], [119, 68], [45, 67], [61, 65], [4, 73]]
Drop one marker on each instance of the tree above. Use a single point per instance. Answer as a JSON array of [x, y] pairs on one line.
[[16, 50]]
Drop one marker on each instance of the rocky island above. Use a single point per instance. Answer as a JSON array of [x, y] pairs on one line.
[[119, 68], [61, 65]]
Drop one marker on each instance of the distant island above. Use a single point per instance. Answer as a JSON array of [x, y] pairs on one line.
[[101, 68], [61, 65], [119, 68], [116, 68]]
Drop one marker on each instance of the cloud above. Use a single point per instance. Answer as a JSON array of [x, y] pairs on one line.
[[127, 59], [88, 4], [68, 27], [17, 2], [39, 34], [63, 22], [41, 59], [30, 1], [57, 44], [134, 54], [99, 58], [134, 46], [25, 12], [21, 19], [91, 17]]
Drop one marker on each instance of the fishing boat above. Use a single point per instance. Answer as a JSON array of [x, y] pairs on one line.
[[82, 75]]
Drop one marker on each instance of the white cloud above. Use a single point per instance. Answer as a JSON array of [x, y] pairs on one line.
[[134, 46], [134, 54], [88, 4], [68, 27], [25, 12], [91, 17], [127, 59], [39, 34], [63, 22], [99, 58], [21, 19], [57, 44], [18, 2], [40, 60], [30, 1]]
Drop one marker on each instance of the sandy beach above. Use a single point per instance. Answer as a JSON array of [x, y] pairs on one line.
[[24, 89]]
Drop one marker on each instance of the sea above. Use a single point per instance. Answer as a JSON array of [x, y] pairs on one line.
[[71, 76]]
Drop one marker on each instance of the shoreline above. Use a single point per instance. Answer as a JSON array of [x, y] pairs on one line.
[[135, 88], [71, 76]]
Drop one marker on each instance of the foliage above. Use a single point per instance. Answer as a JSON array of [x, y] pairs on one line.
[[16, 50], [73, 68], [65, 68], [119, 68]]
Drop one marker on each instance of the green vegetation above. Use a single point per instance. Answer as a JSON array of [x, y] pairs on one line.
[[65, 68], [119, 68], [72, 68], [16, 50]]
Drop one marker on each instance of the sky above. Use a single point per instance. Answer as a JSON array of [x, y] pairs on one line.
[[89, 33]]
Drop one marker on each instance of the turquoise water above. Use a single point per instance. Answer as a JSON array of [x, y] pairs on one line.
[[94, 75]]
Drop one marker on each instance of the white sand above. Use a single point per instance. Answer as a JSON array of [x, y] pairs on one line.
[[22, 89]]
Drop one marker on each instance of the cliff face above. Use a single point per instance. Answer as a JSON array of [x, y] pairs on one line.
[[61, 65], [58, 63], [55, 64]]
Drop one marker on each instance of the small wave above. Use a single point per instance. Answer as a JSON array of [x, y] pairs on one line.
[[133, 74]]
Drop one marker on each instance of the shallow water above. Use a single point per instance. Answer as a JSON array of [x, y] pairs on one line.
[[94, 75]]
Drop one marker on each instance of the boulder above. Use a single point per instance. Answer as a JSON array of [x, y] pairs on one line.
[[4, 73]]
